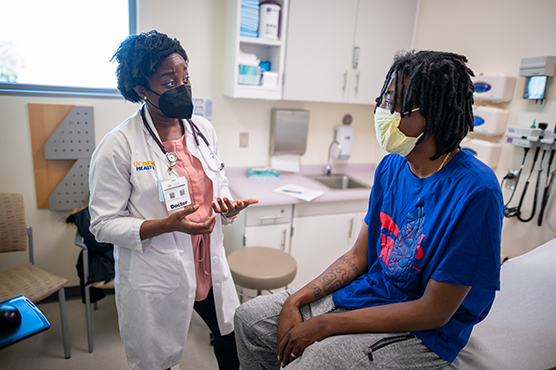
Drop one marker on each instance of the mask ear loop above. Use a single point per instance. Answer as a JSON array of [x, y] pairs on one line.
[[422, 136], [150, 102]]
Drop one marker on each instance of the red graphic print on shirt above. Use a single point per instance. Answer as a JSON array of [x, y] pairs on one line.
[[402, 247]]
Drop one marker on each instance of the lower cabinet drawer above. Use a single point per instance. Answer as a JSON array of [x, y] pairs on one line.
[[271, 215]]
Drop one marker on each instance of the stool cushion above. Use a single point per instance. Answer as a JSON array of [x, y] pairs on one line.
[[262, 268]]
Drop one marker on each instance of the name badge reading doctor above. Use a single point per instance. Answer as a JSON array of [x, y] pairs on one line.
[[175, 193]]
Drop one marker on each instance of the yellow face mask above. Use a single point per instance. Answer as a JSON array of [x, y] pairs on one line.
[[389, 135]]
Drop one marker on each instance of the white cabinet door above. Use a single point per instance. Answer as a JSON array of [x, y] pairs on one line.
[[319, 50], [378, 41], [318, 241], [274, 236], [322, 38], [358, 222]]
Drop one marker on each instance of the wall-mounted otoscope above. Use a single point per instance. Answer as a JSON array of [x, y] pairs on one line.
[[528, 138], [548, 184]]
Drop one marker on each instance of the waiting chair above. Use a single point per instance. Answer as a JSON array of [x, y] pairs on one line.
[[99, 285], [262, 268], [27, 279]]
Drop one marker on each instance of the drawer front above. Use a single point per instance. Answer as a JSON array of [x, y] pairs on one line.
[[272, 215]]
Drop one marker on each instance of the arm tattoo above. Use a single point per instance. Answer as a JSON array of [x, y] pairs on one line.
[[337, 276]]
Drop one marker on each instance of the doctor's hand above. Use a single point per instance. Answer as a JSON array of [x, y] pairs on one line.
[[230, 208], [178, 221]]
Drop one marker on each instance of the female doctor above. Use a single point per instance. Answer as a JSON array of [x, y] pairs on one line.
[[155, 181]]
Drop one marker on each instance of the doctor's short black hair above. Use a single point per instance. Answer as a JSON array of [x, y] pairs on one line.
[[139, 56], [439, 83]]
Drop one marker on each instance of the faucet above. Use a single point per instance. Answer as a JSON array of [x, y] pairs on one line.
[[328, 167]]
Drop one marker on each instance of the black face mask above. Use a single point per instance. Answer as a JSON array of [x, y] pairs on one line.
[[175, 103]]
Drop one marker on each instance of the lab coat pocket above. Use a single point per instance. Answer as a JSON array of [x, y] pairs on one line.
[[153, 272]]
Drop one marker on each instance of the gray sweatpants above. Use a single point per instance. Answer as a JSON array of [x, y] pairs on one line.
[[255, 330]]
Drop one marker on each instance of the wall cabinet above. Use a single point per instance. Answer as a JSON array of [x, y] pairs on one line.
[[266, 50], [340, 51]]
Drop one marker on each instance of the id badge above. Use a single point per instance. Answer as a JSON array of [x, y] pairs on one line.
[[174, 193]]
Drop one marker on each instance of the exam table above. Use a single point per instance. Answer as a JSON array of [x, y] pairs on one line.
[[519, 333]]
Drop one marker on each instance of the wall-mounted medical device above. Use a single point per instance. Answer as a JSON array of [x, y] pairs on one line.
[[493, 87], [490, 121], [486, 151], [529, 137], [536, 71]]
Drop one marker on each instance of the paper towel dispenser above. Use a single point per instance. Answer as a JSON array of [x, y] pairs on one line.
[[288, 133]]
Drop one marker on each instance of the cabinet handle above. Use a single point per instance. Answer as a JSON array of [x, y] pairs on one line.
[[351, 227], [355, 58], [345, 81], [357, 81], [283, 244], [275, 217]]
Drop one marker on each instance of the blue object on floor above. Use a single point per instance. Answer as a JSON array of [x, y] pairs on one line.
[[31, 320]]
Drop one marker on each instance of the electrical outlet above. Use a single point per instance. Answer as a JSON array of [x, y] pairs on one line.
[[510, 183], [243, 139]]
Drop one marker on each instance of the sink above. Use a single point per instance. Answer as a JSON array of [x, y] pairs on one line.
[[338, 182]]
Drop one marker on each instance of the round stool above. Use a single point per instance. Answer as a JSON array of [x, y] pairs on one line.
[[262, 268]]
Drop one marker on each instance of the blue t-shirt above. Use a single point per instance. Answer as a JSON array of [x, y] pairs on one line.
[[446, 227]]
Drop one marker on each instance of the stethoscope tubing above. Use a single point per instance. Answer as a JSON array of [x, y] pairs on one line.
[[196, 134]]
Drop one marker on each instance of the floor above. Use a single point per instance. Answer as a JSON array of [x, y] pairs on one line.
[[45, 350]]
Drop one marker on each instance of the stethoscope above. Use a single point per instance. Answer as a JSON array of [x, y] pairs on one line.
[[173, 157]]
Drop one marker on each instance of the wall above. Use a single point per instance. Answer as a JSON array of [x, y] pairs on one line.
[[495, 35], [199, 25], [200, 28]]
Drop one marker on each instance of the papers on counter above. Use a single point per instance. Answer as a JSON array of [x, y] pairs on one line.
[[300, 192]]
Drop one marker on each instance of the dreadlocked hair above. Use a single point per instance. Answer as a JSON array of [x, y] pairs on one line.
[[440, 85], [138, 58]]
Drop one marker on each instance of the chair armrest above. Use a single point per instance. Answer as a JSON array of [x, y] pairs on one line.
[[79, 241]]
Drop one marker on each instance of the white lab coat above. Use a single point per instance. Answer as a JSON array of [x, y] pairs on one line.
[[155, 278]]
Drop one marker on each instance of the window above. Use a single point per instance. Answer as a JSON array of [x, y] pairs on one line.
[[62, 46]]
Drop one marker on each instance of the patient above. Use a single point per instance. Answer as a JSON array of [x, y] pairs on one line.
[[426, 265]]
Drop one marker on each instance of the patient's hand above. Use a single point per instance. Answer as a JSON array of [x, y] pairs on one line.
[[289, 318], [300, 337]]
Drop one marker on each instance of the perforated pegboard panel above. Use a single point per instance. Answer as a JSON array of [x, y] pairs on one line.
[[75, 136], [73, 191]]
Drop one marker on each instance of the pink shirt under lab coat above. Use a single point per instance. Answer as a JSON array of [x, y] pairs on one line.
[[200, 191]]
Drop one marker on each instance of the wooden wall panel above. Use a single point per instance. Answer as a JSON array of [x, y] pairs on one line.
[[43, 121]]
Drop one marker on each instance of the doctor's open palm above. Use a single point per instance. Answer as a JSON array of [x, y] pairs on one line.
[[178, 221]]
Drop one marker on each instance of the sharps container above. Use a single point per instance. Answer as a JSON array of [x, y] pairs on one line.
[[269, 20]]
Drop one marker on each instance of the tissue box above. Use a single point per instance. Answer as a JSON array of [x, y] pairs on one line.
[[249, 75], [263, 173], [270, 79]]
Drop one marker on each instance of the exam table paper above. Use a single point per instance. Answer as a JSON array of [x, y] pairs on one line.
[[300, 192]]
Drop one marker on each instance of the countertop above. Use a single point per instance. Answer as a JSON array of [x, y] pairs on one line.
[[263, 190]]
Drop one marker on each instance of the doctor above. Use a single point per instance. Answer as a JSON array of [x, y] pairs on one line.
[[159, 194]]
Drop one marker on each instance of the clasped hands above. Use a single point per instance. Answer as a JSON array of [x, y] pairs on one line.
[[178, 221], [294, 334]]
